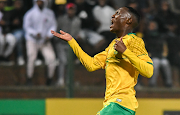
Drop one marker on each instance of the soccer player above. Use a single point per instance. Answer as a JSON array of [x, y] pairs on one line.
[[123, 60]]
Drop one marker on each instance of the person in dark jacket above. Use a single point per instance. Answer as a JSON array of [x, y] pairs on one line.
[[157, 48], [17, 30], [7, 40]]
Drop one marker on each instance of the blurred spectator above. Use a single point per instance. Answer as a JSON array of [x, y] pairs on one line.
[[175, 6], [147, 11], [72, 24], [59, 9], [60, 2], [173, 42], [102, 14], [157, 48], [110, 3], [68, 1], [164, 16], [7, 40], [87, 33], [18, 32], [120, 3], [9, 5], [38, 23], [144, 5], [28, 4], [50, 3]]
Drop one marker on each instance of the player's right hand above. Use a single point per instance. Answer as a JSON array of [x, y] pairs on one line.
[[63, 35], [120, 46]]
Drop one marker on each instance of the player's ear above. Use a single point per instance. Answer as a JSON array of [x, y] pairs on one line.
[[129, 20]]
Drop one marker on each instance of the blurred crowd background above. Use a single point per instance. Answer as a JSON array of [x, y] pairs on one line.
[[25, 37]]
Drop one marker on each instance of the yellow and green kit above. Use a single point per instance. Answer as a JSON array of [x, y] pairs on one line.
[[121, 69]]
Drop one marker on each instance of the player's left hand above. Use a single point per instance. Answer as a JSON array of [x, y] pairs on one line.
[[63, 35], [120, 46]]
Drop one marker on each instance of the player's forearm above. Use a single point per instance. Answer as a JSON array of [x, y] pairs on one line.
[[89, 63], [145, 68]]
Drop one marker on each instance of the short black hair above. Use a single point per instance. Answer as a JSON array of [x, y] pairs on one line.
[[133, 11]]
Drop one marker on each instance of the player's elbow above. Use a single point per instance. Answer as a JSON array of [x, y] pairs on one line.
[[150, 72], [149, 75], [90, 69]]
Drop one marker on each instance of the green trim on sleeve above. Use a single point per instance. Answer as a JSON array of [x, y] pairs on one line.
[[150, 63], [141, 55]]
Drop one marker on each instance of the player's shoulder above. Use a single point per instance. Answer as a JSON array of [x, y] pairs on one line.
[[135, 38], [136, 45], [139, 39]]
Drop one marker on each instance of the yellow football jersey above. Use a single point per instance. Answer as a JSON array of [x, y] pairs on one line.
[[121, 69]]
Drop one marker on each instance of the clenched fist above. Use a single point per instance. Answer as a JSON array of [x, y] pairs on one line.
[[120, 46]]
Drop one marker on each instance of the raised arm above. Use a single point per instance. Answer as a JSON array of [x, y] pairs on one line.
[[90, 63], [65, 36]]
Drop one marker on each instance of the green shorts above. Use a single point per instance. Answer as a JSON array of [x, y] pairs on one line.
[[115, 109]]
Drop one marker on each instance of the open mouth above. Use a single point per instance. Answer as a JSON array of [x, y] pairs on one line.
[[111, 23]]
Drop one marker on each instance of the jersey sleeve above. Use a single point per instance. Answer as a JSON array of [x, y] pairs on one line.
[[142, 63], [90, 63]]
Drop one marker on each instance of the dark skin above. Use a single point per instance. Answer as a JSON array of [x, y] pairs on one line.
[[40, 4], [123, 23]]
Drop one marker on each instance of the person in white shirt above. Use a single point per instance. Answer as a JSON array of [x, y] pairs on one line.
[[102, 14], [38, 22]]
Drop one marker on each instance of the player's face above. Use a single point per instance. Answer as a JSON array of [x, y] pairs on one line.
[[118, 20]]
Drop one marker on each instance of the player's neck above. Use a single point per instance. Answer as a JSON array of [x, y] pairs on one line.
[[123, 33]]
